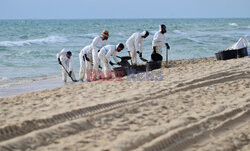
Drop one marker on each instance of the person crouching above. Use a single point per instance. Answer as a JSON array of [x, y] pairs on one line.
[[104, 55], [86, 61]]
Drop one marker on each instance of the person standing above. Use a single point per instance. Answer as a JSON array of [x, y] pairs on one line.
[[159, 41], [65, 59], [96, 45], [134, 45], [104, 55]]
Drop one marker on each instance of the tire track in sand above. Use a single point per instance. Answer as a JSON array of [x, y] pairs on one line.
[[182, 138]]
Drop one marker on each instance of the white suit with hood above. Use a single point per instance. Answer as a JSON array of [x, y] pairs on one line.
[[84, 64], [159, 41], [67, 63], [134, 44], [97, 44], [104, 55]]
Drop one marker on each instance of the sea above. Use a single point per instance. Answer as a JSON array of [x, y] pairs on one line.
[[28, 48]]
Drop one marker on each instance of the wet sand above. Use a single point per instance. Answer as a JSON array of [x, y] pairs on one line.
[[30, 86], [201, 104]]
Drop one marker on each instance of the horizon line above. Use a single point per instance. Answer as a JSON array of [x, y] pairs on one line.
[[122, 18]]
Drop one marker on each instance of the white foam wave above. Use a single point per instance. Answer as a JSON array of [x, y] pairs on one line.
[[47, 40], [179, 32], [91, 35], [3, 79], [193, 39], [233, 24], [121, 34]]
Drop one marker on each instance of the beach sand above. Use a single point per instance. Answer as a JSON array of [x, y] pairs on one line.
[[201, 104]]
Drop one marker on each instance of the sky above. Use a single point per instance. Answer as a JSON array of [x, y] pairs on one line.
[[104, 9]]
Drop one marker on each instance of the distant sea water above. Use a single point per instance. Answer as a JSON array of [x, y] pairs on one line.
[[28, 47]]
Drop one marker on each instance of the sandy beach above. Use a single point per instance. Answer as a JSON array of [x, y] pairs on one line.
[[201, 104]]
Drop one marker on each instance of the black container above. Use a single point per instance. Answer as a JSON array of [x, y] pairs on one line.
[[152, 65], [139, 68], [231, 54]]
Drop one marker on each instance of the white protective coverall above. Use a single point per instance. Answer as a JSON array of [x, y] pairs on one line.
[[67, 63], [104, 55], [134, 44], [159, 41], [84, 64], [97, 44]]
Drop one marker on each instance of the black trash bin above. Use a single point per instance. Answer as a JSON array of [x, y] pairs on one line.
[[231, 54]]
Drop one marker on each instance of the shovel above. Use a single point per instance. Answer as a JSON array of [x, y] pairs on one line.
[[166, 57], [69, 74]]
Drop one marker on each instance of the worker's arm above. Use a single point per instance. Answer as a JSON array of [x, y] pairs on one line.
[[137, 42], [140, 43], [115, 57], [59, 55]]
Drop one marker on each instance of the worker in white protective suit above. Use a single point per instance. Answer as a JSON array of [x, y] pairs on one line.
[[65, 59], [97, 44], [104, 55], [159, 40], [134, 45], [86, 62]]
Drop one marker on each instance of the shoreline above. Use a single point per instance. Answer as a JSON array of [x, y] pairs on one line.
[[52, 82]]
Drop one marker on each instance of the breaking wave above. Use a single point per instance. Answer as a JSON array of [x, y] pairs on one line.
[[42, 41], [179, 32], [233, 24]]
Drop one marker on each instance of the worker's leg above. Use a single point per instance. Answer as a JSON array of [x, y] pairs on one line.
[[64, 75], [130, 51], [95, 64], [134, 56], [82, 68]]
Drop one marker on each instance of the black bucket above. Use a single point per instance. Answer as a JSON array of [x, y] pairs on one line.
[[156, 57]]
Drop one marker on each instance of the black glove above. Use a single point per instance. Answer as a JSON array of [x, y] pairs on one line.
[[167, 45], [138, 52], [154, 48], [86, 57], [98, 51], [70, 73], [111, 63], [119, 63], [140, 55], [59, 61]]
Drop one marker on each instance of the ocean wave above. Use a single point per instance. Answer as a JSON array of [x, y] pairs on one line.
[[42, 41], [179, 32], [3, 79], [248, 26], [91, 35], [233, 24], [193, 39]]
